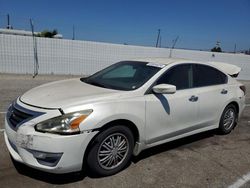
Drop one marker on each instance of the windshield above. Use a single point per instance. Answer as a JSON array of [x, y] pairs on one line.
[[126, 75]]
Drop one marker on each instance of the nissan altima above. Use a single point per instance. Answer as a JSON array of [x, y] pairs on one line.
[[104, 119]]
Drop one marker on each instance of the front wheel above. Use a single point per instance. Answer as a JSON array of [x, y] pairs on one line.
[[228, 119], [111, 151]]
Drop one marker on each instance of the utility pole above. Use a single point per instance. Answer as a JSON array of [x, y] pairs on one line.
[[160, 42], [174, 43], [36, 65], [8, 22], [73, 38], [218, 44], [235, 48], [158, 37]]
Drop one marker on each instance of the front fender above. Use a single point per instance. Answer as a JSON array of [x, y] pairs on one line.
[[130, 109]]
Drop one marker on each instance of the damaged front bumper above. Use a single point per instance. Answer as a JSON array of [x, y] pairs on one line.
[[47, 152]]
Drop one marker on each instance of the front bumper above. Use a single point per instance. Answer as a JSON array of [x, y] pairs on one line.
[[26, 146]]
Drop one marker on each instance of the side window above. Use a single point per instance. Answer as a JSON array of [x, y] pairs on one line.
[[206, 76], [181, 76]]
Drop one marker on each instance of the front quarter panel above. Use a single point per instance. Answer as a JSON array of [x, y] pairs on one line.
[[131, 109]]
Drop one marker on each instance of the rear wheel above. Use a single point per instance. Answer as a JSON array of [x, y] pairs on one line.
[[111, 151], [228, 119]]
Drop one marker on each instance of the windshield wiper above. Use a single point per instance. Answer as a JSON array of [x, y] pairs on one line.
[[97, 84]]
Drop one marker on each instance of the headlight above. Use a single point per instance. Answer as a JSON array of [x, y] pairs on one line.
[[65, 124]]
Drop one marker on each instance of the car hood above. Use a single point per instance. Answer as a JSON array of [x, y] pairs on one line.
[[66, 93]]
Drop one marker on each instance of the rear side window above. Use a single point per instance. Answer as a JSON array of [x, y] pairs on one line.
[[206, 76], [180, 76]]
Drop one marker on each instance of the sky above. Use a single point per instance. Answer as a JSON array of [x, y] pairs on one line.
[[198, 23]]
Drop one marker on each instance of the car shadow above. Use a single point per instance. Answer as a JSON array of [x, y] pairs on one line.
[[164, 102], [51, 178], [59, 179]]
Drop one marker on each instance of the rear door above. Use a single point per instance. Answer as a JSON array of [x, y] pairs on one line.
[[212, 90]]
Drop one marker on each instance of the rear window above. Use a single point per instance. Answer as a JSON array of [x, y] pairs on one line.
[[206, 76]]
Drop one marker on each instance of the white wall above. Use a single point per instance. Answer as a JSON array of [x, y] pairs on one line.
[[59, 56]]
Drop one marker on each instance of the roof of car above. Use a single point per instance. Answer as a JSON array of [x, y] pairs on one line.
[[228, 68], [165, 61]]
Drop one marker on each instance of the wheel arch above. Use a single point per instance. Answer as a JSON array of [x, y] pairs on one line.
[[125, 122], [236, 106], [128, 123]]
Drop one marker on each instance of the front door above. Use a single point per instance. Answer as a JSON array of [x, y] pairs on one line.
[[170, 115]]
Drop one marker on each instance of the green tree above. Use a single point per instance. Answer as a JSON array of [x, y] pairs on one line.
[[47, 33], [216, 49]]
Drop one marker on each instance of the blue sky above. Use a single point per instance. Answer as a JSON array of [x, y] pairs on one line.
[[198, 23]]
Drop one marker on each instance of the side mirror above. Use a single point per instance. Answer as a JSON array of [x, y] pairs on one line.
[[164, 89]]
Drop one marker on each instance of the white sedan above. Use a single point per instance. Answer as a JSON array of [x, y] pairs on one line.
[[104, 119]]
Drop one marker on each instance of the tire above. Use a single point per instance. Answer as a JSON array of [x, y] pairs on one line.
[[111, 151], [228, 119]]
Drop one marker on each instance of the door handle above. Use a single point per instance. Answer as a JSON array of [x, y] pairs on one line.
[[224, 91], [193, 98]]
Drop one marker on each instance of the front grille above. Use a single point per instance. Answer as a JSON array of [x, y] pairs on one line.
[[18, 115]]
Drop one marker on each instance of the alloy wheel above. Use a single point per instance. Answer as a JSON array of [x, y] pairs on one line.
[[229, 119], [113, 151]]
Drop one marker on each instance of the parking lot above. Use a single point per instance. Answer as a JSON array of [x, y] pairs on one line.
[[203, 160]]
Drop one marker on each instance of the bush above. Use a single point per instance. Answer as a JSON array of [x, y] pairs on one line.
[[47, 33]]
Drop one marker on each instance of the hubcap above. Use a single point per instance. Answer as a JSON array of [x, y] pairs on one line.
[[229, 119], [113, 151]]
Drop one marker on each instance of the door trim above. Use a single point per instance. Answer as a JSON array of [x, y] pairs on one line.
[[176, 133]]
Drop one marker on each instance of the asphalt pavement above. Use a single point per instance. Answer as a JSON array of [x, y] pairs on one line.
[[202, 160]]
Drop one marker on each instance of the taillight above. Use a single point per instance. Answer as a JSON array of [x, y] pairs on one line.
[[243, 88]]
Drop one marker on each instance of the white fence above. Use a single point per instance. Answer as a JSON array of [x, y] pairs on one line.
[[59, 56]]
